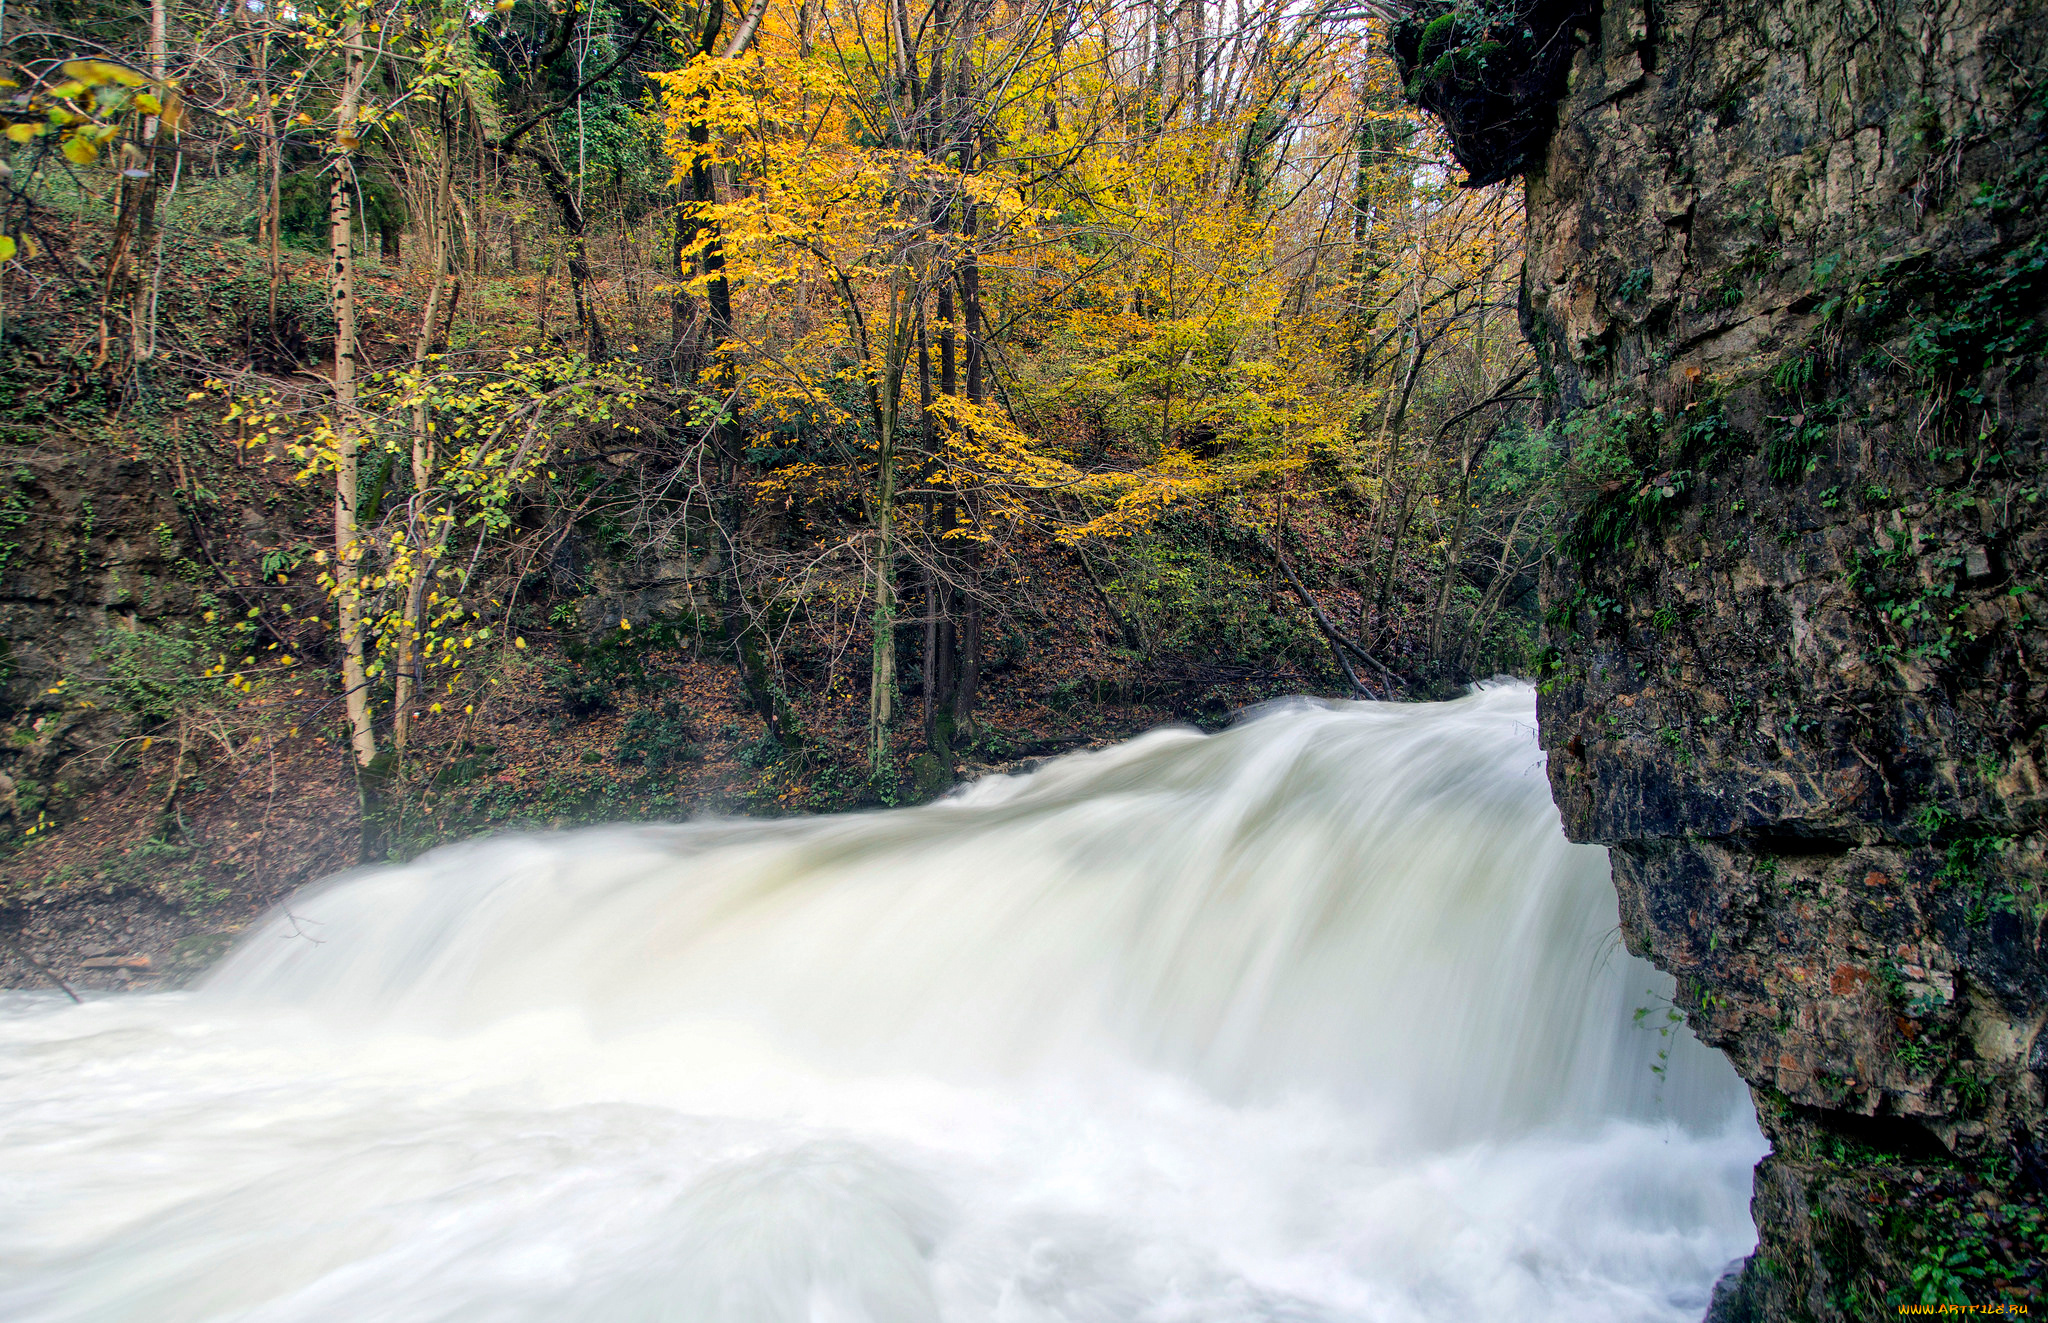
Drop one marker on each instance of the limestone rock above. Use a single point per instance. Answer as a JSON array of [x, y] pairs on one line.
[[1790, 259]]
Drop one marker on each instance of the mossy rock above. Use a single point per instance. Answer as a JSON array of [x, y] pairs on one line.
[[1493, 71], [200, 950], [930, 777]]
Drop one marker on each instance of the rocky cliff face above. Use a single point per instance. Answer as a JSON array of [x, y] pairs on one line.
[[87, 545], [1787, 271]]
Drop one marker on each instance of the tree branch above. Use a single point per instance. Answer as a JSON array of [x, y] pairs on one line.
[[745, 35], [527, 125], [1339, 642]]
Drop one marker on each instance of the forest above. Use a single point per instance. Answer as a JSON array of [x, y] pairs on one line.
[[421, 417]]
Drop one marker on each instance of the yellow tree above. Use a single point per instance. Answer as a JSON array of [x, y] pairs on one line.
[[823, 208]]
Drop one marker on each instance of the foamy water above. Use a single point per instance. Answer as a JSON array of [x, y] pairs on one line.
[[1317, 1019]]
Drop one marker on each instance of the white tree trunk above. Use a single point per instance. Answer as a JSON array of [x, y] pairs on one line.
[[348, 550]]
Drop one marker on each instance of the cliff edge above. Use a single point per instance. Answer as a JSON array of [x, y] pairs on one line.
[[1787, 274]]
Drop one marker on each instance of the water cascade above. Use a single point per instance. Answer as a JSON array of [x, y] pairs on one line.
[[1317, 1019]]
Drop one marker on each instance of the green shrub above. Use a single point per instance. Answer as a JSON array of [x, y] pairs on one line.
[[658, 740]]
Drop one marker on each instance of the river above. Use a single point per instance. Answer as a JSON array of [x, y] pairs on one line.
[[1320, 1018]]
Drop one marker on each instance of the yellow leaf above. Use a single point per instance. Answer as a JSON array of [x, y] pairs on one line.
[[6, 249], [623, 623], [148, 104], [23, 132], [81, 150], [519, 643], [92, 73]]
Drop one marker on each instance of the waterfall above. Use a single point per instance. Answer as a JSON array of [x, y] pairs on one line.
[[1319, 1018]]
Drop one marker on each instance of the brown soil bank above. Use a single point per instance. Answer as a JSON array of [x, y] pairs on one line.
[[1788, 273]]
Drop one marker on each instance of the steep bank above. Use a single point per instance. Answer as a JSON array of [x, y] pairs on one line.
[[461, 500], [1786, 271], [150, 807]]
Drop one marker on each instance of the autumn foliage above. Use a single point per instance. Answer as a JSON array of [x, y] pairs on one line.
[[917, 361]]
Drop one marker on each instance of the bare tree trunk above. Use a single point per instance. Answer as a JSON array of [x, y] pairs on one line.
[[1482, 615], [928, 575], [680, 307], [547, 276], [1339, 642], [563, 190], [1390, 563], [348, 548], [1155, 81], [888, 422], [428, 536], [120, 257], [268, 158], [1453, 555], [929, 702], [141, 292], [134, 224], [701, 189], [941, 636], [970, 614], [479, 244]]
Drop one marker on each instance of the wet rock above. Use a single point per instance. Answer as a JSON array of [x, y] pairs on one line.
[[200, 949], [1734, 1301]]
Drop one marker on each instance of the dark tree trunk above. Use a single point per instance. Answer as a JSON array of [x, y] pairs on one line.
[[970, 613], [563, 192]]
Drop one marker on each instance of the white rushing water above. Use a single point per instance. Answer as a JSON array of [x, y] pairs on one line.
[[1317, 1019]]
